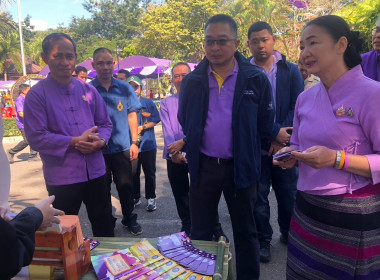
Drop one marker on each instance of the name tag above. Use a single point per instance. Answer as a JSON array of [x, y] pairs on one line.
[[249, 92]]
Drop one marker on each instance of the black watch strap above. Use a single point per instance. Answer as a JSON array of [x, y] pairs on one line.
[[136, 143]]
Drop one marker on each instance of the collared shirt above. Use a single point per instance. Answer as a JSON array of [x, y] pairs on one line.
[[371, 65], [19, 104], [148, 113], [54, 114], [311, 81], [120, 100], [171, 128], [217, 134], [272, 72], [346, 117]]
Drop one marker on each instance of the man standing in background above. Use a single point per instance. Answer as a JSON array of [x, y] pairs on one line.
[[371, 60], [287, 84], [122, 105], [19, 104], [148, 117]]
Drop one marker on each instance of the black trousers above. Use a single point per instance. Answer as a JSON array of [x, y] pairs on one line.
[[93, 194], [148, 162], [179, 182], [22, 145], [119, 170], [204, 199]]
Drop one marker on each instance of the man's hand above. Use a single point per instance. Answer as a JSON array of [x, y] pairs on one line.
[[274, 148], [3, 214], [176, 147], [133, 152], [179, 159], [94, 144], [84, 137], [49, 213], [139, 129], [283, 136], [287, 162]]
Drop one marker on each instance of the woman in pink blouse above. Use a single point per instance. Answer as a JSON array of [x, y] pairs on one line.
[[335, 229]]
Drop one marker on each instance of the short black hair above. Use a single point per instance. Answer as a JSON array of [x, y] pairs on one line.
[[222, 18], [258, 26], [79, 69], [23, 86], [178, 64], [99, 50], [51, 38], [125, 72]]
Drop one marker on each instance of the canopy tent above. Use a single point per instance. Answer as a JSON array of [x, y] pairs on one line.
[[86, 64], [6, 84], [145, 67]]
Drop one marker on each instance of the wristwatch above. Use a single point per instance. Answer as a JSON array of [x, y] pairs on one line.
[[144, 127], [184, 139], [137, 143]]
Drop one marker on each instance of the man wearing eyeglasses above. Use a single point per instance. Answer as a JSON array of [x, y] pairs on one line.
[[287, 83], [122, 104], [225, 108], [371, 60]]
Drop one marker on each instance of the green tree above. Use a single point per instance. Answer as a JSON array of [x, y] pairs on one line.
[[10, 49], [174, 30], [362, 16]]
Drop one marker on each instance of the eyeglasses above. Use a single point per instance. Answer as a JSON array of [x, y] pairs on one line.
[[219, 42], [376, 31]]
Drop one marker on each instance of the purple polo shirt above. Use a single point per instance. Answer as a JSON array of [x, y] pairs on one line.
[[19, 104], [171, 128], [54, 113], [217, 138], [371, 65], [271, 74]]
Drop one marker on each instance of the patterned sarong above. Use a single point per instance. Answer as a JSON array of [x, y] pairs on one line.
[[335, 237]]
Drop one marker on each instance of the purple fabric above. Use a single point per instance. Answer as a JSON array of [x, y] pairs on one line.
[[171, 128], [3, 83], [316, 123], [217, 134], [54, 113], [45, 71], [87, 64], [272, 73], [141, 61], [19, 104], [371, 65]]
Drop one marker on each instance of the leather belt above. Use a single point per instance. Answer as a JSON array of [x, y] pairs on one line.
[[219, 161]]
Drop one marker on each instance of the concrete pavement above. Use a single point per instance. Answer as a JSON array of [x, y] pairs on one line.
[[28, 188]]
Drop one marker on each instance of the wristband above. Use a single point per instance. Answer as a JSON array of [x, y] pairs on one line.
[[338, 159], [136, 143], [144, 127], [346, 163], [342, 160]]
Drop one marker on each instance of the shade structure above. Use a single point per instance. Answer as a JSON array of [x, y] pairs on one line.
[[6, 84], [86, 64]]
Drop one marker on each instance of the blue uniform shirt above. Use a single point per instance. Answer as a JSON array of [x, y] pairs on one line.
[[148, 113], [121, 100]]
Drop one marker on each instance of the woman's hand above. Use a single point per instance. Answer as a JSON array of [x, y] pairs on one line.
[[287, 162], [317, 157]]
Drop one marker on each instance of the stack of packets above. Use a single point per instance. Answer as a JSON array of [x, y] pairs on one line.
[[141, 262], [178, 247]]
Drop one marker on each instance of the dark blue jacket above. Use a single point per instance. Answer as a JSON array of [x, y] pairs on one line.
[[289, 84], [252, 118]]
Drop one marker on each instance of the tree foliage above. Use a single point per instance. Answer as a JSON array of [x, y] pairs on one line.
[[174, 30], [362, 16]]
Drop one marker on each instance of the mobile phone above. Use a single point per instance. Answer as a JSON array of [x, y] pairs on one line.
[[282, 156]]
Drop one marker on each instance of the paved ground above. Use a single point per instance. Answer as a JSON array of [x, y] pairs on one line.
[[28, 188]]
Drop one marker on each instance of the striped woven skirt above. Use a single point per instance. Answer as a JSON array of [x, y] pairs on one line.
[[335, 237]]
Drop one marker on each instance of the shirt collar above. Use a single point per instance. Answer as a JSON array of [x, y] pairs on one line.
[[95, 82], [276, 56], [234, 70]]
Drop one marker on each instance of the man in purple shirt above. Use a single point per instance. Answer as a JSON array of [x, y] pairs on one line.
[[19, 104], [371, 60], [175, 151], [287, 83], [67, 122], [225, 108]]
